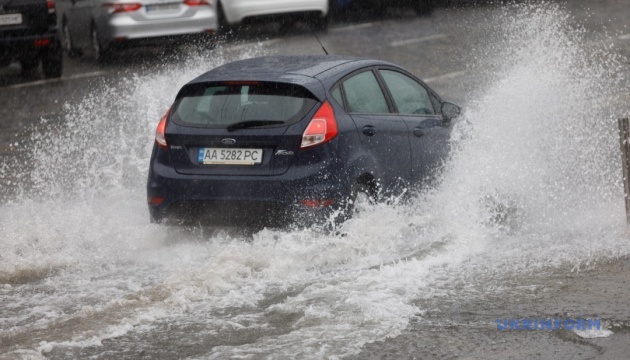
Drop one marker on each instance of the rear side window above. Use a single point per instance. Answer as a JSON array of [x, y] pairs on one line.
[[364, 94], [410, 97], [227, 103], [336, 94]]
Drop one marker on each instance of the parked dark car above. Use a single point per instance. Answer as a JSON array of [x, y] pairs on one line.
[[282, 139], [28, 34]]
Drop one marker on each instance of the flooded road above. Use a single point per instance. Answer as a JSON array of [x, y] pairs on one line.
[[530, 199]]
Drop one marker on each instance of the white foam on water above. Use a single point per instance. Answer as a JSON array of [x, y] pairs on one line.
[[593, 333], [533, 183]]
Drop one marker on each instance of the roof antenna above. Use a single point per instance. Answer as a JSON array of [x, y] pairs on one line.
[[314, 34]]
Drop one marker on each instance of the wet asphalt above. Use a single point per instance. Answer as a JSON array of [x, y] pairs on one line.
[[441, 48]]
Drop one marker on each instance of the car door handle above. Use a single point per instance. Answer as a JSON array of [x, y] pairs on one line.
[[369, 130], [418, 132]]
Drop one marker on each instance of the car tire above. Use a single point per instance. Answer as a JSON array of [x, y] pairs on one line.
[[68, 44], [376, 8], [5, 60], [99, 52], [29, 66], [224, 29], [424, 7], [52, 64], [361, 196], [287, 23]]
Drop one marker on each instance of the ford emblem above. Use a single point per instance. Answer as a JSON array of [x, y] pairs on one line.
[[228, 141]]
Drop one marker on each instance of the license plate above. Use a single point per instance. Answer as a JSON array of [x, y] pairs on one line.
[[222, 156], [10, 19], [162, 7]]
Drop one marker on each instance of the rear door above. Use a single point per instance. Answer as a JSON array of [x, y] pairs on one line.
[[429, 132], [237, 128], [383, 133]]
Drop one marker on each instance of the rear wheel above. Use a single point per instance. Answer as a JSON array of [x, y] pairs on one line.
[[29, 66], [68, 44], [99, 52], [52, 64], [424, 7], [5, 60], [361, 197], [223, 27], [377, 8]]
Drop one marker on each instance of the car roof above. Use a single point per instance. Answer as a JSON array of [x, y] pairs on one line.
[[306, 70], [273, 67]]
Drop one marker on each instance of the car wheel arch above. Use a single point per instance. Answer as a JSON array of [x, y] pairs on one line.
[[364, 184], [370, 182], [364, 170]]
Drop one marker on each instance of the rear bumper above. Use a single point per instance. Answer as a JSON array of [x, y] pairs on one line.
[[237, 10], [122, 26], [31, 45], [246, 200]]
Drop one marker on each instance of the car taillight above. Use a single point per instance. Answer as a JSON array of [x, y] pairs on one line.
[[118, 7], [155, 200], [50, 4], [160, 138], [41, 42], [322, 128], [196, 2], [317, 203]]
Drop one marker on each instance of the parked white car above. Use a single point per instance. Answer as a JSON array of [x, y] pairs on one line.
[[235, 12]]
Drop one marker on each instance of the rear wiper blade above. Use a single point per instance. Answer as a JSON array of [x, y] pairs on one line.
[[252, 123]]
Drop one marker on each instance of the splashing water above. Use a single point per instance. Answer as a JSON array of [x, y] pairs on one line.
[[541, 140], [533, 183]]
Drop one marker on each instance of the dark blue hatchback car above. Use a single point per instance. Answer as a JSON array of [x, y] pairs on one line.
[[277, 140]]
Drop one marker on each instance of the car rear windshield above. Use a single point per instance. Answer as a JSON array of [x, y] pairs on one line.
[[228, 103]]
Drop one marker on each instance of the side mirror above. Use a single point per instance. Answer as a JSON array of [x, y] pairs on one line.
[[450, 110]]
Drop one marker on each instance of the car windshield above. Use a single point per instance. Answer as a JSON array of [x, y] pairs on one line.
[[229, 103]]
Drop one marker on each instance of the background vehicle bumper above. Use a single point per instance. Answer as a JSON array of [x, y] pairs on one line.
[[29, 46], [127, 27], [237, 10]]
